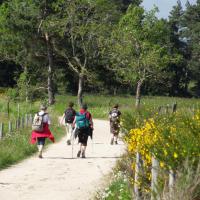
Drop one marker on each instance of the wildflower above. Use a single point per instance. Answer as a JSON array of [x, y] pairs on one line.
[[175, 155], [162, 164]]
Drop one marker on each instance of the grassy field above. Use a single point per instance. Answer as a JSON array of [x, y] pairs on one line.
[[100, 105]]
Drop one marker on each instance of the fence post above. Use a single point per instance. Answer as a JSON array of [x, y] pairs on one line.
[[167, 109], [174, 107], [171, 182], [22, 122], [1, 131], [26, 120], [137, 174], [154, 180], [8, 108], [159, 109], [18, 123], [18, 110], [9, 127], [30, 119]]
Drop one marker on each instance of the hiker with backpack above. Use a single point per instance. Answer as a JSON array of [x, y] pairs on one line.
[[69, 116], [84, 125], [114, 117], [40, 129]]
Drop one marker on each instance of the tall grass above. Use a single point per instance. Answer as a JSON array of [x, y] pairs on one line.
[[187, 185], [16, 147]]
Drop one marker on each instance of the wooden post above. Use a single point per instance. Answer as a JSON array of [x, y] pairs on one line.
[[31, 119], [1, 131], [8, 108], [137, 173], [171, 182], [159, 109], [9, 127], [174, 107], [16, 124], [167, 109], [154, 180], [18, 110], [26, 120], [22, 122]]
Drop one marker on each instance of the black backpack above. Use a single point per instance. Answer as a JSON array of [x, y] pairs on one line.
[[69, 115]]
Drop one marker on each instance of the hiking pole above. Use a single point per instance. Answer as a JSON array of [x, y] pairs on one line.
[[92, 145], [73, 133], [92, 141]]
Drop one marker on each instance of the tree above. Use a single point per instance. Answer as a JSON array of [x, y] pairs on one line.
[[136, 53], [178, 72], [191, 33], [25, 40], [16, 28], [83, 24]]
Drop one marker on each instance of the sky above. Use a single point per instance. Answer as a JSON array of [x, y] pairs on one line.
[[165, 6]]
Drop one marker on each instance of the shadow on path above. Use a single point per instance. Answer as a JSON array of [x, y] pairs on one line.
[[100, 157]]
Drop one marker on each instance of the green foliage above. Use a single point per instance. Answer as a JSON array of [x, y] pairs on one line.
[[12, 93], [15, 148], [118, 189], [135, 48]]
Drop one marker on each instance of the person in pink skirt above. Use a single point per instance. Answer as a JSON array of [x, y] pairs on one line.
[[40, 137]]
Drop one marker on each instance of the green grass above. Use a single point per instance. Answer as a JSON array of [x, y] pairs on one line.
[[99, 105], [118, 189], [17, 147]]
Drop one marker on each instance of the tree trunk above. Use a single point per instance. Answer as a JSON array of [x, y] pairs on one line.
[[80, 90], [138, 93], [50, 71], [27, 85]]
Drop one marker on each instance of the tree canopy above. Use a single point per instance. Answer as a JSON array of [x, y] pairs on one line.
[[49, 47]]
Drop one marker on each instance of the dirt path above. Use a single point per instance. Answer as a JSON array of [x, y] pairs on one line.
[[59, 177]]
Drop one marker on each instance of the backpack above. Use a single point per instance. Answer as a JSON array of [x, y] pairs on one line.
[[69, 115], [37, 124], [114, 116], [81, 121]]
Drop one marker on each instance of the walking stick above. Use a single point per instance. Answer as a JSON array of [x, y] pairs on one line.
[[73, 133], [92, 140]]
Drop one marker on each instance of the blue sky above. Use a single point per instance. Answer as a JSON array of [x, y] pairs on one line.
[[164, 6]]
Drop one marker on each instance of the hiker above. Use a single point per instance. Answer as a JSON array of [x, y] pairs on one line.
[[40, 129], [84, 126], [114, 117], [69, 116]]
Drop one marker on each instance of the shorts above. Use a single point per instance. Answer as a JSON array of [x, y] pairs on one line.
[[41, 140], [114, 129]]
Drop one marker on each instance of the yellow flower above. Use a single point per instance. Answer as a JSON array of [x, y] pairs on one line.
[[175, 155], [162, 164]]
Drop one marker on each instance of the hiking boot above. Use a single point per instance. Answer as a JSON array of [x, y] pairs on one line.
[[40, 155], [68, 142], [111, 142], [83, 155], [116, 142], [78, 154]]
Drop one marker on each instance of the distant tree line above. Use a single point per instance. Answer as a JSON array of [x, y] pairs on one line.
[[110, 47]]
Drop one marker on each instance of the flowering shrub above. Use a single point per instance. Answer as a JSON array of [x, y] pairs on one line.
[[171, 139]]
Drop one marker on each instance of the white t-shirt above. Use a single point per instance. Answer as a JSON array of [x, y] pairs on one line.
[[46, 118]]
